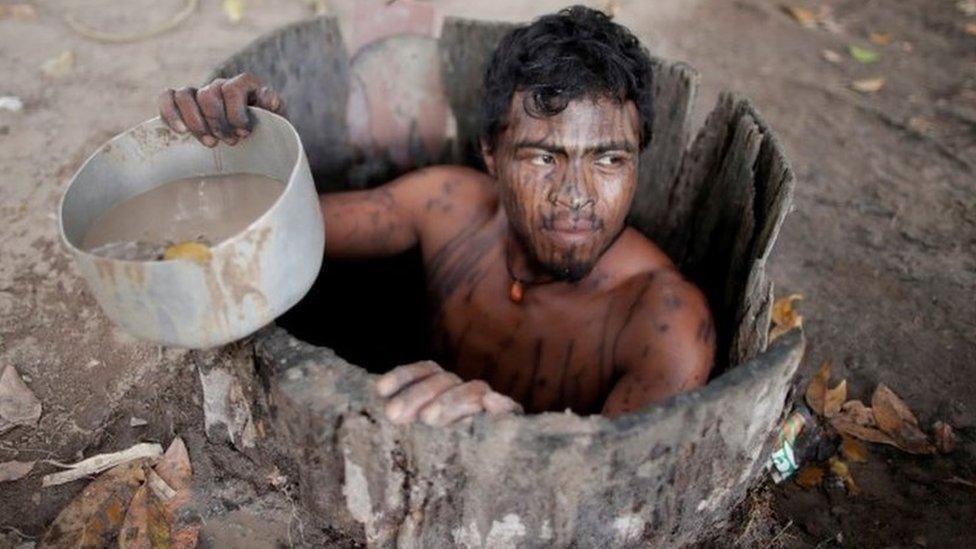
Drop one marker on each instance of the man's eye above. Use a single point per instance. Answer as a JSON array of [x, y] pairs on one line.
[[610, 160], [544, 159]]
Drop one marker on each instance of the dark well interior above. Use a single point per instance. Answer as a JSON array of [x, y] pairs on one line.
[[714, 205]]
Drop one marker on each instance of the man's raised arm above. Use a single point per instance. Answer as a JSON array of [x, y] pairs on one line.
[[667, 345]]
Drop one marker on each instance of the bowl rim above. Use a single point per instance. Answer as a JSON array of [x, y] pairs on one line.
[[227, 242]]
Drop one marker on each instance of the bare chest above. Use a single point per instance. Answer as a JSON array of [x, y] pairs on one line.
[[547, 353]]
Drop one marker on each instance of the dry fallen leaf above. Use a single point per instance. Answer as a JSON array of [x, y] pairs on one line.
[[843, 472], [921, 124], [853, 449], [94, 517], [868, 85], [967, 7], [897, 420], [801, 15], [146, 524], [60, 65], [817, 389], [945, 437], [835, 398], [970, 28], [174, 467], [189, 250], [810, 476], [15, 470], [857, 420], [832, 56], [18, 405], [784, 316], [154, 517], [233, 9], [18, 11], [880, 38]]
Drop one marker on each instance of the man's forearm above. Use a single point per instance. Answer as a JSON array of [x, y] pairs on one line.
[[365, 224]]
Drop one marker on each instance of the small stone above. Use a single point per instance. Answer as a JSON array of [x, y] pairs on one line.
[[137, 422], [294, 374], [11, 103]]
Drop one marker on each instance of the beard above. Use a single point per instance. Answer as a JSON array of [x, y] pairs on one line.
[[565, 265], [569, 268]]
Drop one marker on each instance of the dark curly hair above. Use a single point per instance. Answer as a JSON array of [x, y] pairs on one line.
[[577, 52]]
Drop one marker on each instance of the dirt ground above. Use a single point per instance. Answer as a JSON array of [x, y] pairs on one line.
[[882, 243]]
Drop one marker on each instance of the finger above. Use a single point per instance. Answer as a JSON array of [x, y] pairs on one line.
[[236, 92], [399, 377], [169, 113], [497, 403], [403, 407], [455, 403], [211, 102], [268, 99], [186, 102]]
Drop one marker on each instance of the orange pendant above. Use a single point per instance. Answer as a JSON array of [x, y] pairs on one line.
[[515, 291]]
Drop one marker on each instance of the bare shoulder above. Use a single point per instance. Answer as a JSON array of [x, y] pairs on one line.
[[456, 181], [445, 199], [665, 308], [632, 259]]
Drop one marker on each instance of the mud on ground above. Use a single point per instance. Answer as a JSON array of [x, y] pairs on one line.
[[882, 243]]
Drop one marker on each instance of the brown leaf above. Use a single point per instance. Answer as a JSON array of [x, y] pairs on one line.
[[880, 38], [945, 437], [18, 11], [784, 316], [832, 56], [18, 405], [843, 472], [869, 85], [970, 28], [857, 420], [810, 476], [174, 466], [60, 65], [921, 124], [853, 449], [15, 470], [897, 420], [94, 517], [816, 395], [834, 399], [801, 15], [175, 471], [869, 434], [146, 522], [856, 411]]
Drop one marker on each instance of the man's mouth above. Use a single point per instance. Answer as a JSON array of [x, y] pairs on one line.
[[571, 233]]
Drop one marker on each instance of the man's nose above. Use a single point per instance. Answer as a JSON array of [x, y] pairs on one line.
[[573, 190]]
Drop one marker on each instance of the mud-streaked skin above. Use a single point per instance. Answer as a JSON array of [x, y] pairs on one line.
[[606, 324]]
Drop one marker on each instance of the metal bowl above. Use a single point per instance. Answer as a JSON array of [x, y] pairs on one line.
[[250, 279]]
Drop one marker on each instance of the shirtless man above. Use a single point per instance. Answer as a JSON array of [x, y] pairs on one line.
[[539, 291]]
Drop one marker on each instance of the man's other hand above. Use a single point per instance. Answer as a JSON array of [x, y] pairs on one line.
[[218, 111], [425, 391]]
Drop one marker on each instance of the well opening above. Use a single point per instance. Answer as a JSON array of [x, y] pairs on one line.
[[662, 475], [715, 207]]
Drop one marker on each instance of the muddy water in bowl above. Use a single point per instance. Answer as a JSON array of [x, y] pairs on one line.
[[206, 210]]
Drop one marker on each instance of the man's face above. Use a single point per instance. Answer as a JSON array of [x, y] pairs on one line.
[[567, 180]]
